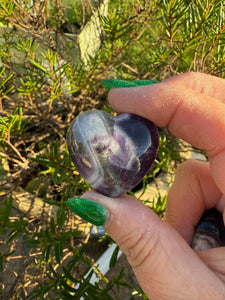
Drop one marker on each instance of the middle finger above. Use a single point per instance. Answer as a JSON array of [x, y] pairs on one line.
[[192, 192]]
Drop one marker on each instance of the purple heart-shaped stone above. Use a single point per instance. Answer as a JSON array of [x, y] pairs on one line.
[[112, 153]]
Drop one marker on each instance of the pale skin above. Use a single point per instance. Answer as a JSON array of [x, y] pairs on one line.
[[192, 105]]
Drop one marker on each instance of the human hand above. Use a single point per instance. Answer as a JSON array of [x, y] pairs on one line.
[[192, 105]]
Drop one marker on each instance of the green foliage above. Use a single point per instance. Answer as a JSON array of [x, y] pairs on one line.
[[170, 37], [62, 171], [11, 124], [168, 151], [44, 83], [3, 258], [115, 32], [5, 210], [159, 205], [52, 237], [16, 228], [114, 256], [4, 91]]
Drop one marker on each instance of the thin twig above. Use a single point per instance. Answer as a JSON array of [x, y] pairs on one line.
[[16, 151]]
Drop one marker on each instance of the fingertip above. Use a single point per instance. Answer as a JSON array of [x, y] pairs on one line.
[[116, 97], [134, 99]]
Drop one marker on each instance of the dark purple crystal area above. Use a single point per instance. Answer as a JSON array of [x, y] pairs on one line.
[[112, 153]]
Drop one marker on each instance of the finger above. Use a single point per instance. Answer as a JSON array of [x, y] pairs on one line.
[[192, 192], [215, 259], [220, 206], [197, 118], [165, 265], [202, 83], [190, 115]]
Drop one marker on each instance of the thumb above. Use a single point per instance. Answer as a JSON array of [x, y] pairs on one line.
[[164, 264]]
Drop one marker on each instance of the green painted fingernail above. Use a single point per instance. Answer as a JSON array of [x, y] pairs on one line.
[[115, 83], [88, 210]]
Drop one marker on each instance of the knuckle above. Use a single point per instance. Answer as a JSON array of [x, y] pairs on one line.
[[141, 247], [191, 75], [197, 82], [193, 78]]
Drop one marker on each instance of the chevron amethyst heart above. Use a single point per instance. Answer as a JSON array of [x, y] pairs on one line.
[[112, 153]]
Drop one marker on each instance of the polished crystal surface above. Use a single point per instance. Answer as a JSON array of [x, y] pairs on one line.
[[112, 153]]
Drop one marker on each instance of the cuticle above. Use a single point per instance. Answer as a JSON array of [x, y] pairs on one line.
[[108, 219]]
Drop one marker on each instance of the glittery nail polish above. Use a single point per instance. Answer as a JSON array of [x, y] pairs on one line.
[[89, 210]]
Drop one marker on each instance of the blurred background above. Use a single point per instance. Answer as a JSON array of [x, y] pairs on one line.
[[53, 56]]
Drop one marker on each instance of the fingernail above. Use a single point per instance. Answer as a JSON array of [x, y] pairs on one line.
[[88, 210], [115, 83]]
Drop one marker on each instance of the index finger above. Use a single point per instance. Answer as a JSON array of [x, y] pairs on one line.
[[202, 83], [195, 117]]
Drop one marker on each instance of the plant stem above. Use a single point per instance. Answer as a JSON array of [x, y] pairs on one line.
[[7, 141]]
